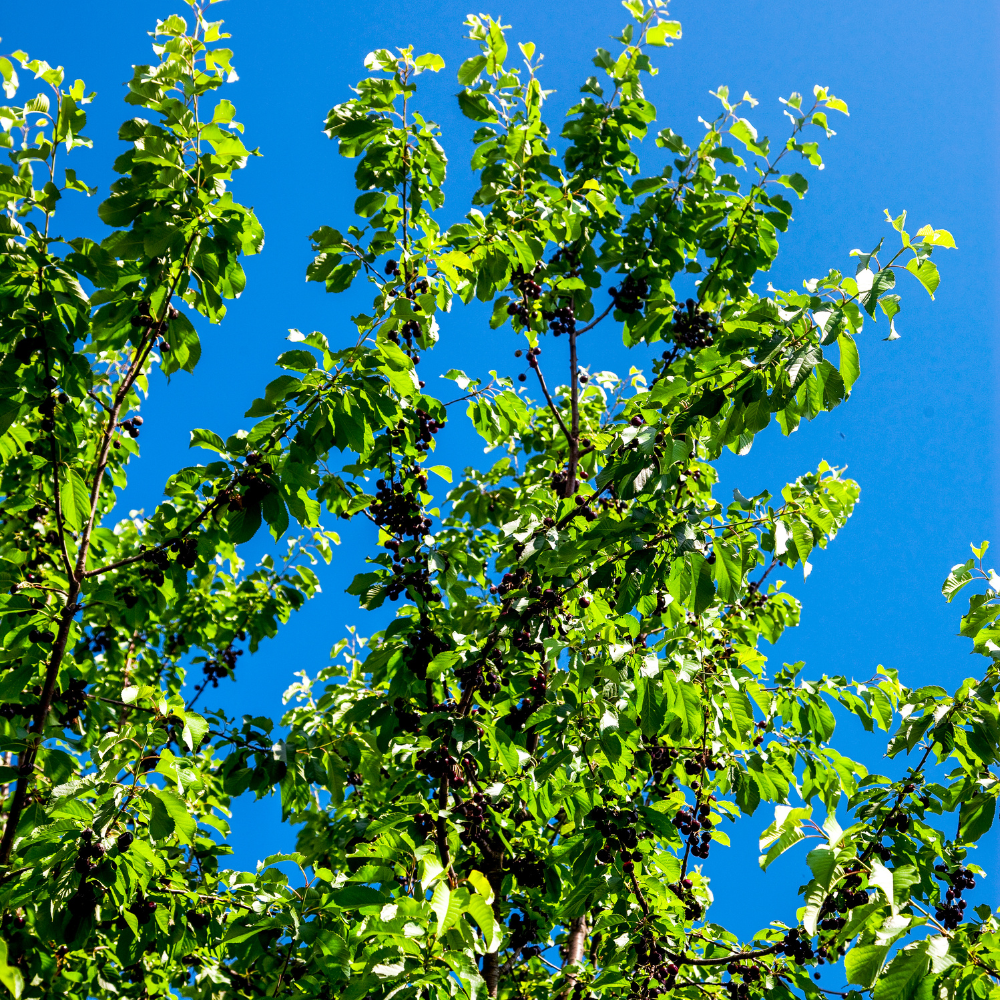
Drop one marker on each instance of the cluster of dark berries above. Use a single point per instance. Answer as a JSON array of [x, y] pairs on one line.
[[75, 700], [900, 820], [530, 290], [526, 284], [102, 639], [424, 824], [186, 551], [561, 320], [529, 874], [754, 598], [254, 481], [127, 596], [702, 761], [797, 946], [950, 911], [528, 706], [198, 920], [144, 320], [654, 969], [11, 711], [27, 347], [413, 578], [438, 763], [156, 562], [683, 890], [90, 853], [521, 310], [84, 899], [523, 930], [473, 811], [424, 645], [407, 721], [560, 481], [483, 676], [37, 635], [662, 759], [142, 317], [697, 827], [396, 509], [749, 974], [223, 665], [143, 908], [583, 510], [850, 893], [884, 851], [547, 599], [631, 295], [510, 581], [131, 426], [829, 918], [522, 641], [260, 464], [693, 328], [47, 410], [618, 828], [391, 268], [428, 427], [409, 330], [533, 353]]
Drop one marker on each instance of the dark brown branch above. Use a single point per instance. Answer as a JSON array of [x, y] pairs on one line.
[[574, 439], [156, 548], [548, 398], [593, 323], [725, 959]]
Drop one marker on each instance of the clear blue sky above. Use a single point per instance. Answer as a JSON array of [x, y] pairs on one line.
[[921, 81]]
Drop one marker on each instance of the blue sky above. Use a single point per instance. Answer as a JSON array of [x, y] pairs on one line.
[[918, 433]]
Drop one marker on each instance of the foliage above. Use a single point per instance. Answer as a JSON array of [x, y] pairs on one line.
[[570, 702]]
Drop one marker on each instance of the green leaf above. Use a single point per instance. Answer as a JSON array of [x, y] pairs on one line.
[[904, 974], [482, 913], [469, 71], [10, 976], [785, 832], [658, 34], [441, 905], [244, 524], [960, 575], [976, 817], [161, 822], [75, 500], [850, 363], [583, 896], [863, 964], [201, 438], [926, 273], [171, 813], [195, 730], [476, 107]]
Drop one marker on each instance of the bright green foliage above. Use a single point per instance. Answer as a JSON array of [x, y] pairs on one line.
[[550, 737]]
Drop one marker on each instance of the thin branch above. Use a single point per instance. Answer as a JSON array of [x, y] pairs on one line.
[[593, 323], [552, 405]]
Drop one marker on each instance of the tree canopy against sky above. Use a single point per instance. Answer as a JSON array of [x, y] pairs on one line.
[[536, 759]]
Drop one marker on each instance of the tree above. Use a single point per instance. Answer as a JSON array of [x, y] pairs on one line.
[[546, 741]]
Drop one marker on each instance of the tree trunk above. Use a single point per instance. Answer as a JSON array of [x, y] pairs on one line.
[[575, 944], [491, 972]]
